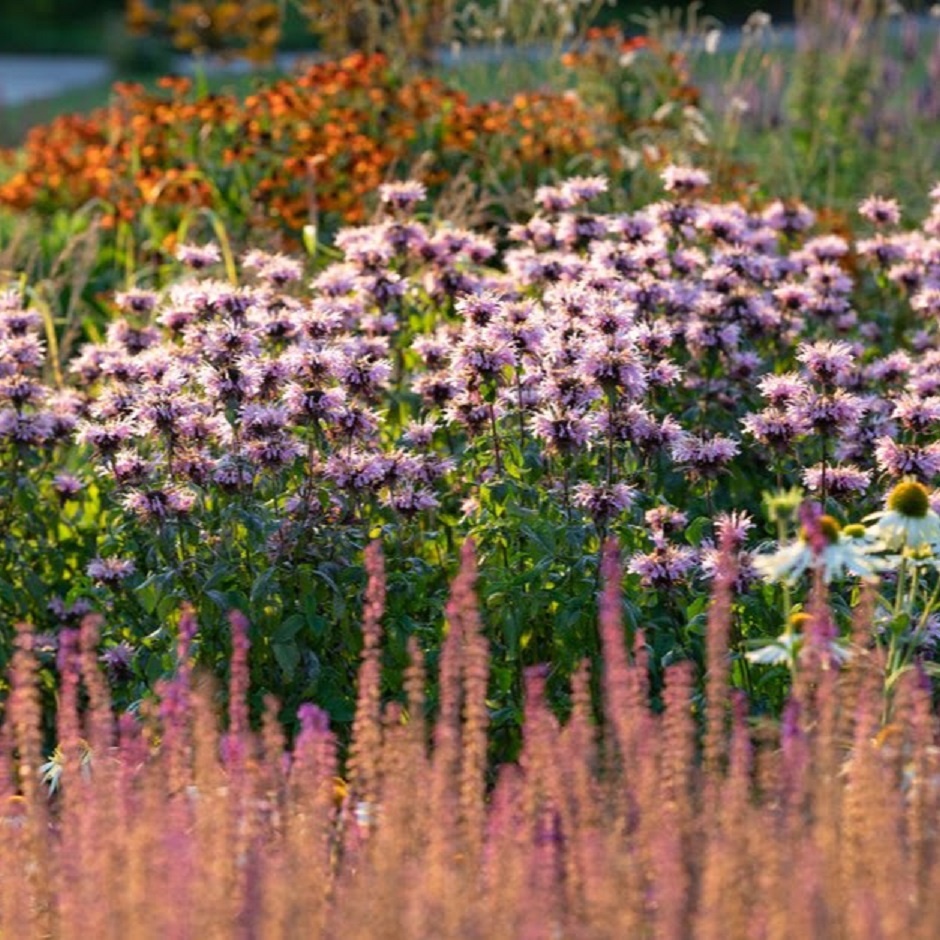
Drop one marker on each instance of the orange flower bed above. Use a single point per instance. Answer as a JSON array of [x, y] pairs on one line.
[[305, 149]]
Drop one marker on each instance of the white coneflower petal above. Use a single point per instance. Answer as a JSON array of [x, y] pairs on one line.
[[785, 564], [783, 651]]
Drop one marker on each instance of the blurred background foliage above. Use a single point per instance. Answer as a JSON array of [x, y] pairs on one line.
[[99, 26]]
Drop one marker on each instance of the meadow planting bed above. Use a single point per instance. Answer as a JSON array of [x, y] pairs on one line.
[[414, 575]]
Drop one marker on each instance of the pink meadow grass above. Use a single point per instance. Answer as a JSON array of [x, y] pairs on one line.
[[824, 825]]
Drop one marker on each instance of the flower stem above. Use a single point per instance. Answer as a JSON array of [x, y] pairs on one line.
[[496, 450]]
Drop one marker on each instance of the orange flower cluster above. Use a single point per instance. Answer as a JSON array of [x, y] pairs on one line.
[[304, 149], [250, 28]]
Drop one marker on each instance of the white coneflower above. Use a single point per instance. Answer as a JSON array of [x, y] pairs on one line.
[[781, 652], [786, 648], [907, 521], [840, 554]]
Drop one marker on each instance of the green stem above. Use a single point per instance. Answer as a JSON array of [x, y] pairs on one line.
[[899, 591], [784, 587], [496, 448]]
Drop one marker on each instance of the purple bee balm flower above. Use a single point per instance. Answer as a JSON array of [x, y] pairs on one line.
[[161, 412], [233, 475], [784, 389], [365, 375], [663, 374], [789, 218], [314, 363], [468, 410], [654, 339], [383, 287], [482, 357], [604, 502], [664, 568], [479, 309], [827, 362], [160, 503], [15, 321], [365, 247], [23, 352], [355, 421], [118, 661], [829, 281], [260, 421], [134, 339], [314, 404], [45, 643], [573, 230], [357, 470], [275, 269], [883, 249], [927, 301], [275, 450], [723, 223], [635, 228], [564, 431], [880, 211], [192, 465], [635, 425], [732, 528], [326, 316], [711, 558], [410, 500], [704, 456], [198, 428], [793, 297], [129, 467], [825, 248], [615, 366], [570, 389], [554, 198], [198, 257], [438, 388], [337, 280], [420, 433], [21, 390], [925, 383], [70, 614], [916, 413], [403, 196], [842, 481], [891, 368], [110, 570], [66, 485], [31, 430], [136, 300], [900, 460], [683, 179], [585, 188], [839, 411], [665, 520], [538, 232]]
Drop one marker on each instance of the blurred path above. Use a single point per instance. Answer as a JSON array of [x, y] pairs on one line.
[[29, 78]]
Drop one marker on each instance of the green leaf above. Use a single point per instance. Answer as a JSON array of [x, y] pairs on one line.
[[696, 531], [263, 586], [288, 629], [288, 658], [148, 595]]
